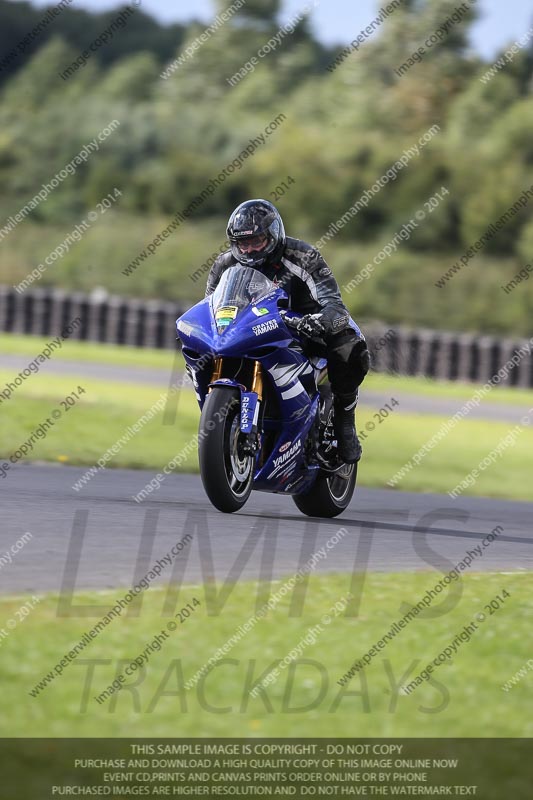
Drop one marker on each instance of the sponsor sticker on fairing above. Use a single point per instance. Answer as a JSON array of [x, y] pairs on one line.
[[265, 327], [225, 316], [297, 446], [259, 312], [248, 411], [227, 312], [281, 463]]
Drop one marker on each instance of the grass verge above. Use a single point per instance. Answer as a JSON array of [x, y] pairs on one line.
[[426, 387], [72, 350], [98, 420], [464, 696]]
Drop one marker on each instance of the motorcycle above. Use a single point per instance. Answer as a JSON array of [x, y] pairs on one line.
[[266, 419]]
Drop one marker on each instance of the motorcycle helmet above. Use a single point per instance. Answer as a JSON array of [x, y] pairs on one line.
[[256, 233]]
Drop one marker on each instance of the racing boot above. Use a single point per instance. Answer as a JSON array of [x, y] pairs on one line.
[[348, 443]]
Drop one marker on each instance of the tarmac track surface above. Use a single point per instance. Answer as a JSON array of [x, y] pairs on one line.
[[101, 538]]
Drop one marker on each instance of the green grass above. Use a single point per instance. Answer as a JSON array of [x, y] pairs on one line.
[[72, 350], [106, 410], [98, 420], [464, 697], [426, 387], [398, 438]]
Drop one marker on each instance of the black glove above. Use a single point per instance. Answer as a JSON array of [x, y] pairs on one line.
[[310, 325]]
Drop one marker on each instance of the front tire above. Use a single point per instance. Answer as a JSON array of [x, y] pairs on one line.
[[330, 495], [227, 473]]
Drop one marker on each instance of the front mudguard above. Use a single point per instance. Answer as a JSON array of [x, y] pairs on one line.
[[249, 403]]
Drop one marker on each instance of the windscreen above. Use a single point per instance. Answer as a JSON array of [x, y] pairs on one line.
[[237, 289]]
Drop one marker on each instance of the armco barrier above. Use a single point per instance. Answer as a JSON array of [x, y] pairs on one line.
[[447, 356], [105, 318], [151, 323]]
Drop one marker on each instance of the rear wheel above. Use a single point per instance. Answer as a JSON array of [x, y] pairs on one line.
[[227, 472], [330, 494]]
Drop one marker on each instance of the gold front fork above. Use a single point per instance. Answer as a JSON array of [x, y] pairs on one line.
[[217, 370], [257, 380]]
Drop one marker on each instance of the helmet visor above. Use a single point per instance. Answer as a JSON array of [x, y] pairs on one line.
[[250, 244]]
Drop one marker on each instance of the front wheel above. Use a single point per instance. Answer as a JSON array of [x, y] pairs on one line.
[[330, 494], [227, 472]]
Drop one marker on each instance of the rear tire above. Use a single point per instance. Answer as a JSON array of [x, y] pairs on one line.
[[227, 474], [330, 495]]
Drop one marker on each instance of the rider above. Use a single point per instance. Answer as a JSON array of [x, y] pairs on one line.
[[257, 239]]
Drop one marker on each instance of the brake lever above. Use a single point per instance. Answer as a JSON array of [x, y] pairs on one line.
[[290, 321]]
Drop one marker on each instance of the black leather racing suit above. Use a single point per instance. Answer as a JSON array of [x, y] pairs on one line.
[[302, 272]]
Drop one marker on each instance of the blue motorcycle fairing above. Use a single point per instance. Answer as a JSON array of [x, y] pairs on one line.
[[285, 467], [258, 332], [202, 341]]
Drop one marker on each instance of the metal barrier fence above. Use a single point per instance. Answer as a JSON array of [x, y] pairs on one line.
[[151, 323], [105, 318], [449, 356]]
